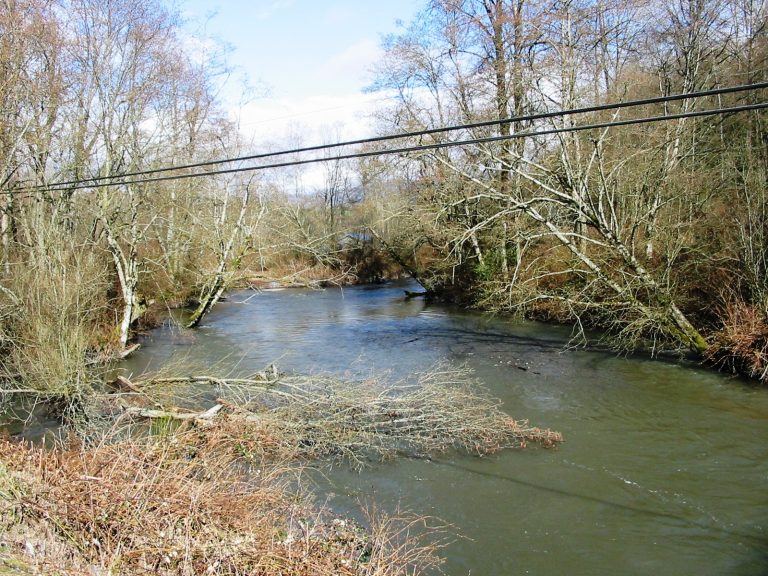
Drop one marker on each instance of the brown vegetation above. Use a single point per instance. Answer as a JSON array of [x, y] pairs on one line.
[[741, 345], [217, 491], [179, 506], [55, 321], [319, 417]]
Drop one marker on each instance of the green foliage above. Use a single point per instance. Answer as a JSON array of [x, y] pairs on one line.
[[491, 268]]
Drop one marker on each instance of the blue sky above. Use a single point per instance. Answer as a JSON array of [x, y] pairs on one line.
[[313, 56]]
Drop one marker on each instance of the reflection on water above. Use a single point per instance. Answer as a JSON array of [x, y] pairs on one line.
[[664, 469]]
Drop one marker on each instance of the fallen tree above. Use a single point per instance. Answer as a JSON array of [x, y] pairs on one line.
[[322, 417], [212, 489]]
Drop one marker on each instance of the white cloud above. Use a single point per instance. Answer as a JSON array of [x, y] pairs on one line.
[[285, 123], [265, 10], [319, 117], [353, 64]]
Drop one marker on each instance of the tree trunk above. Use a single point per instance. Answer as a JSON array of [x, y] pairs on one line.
[[213, 291]]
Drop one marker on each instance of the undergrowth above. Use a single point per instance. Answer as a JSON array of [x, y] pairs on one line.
[[177, 506]]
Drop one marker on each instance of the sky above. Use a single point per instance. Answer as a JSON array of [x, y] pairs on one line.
[[310, 57]]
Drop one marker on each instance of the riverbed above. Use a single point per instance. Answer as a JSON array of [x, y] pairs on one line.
[[664, 469]]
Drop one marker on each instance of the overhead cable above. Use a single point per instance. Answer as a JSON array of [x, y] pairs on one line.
[[418, 148], [98, 181]]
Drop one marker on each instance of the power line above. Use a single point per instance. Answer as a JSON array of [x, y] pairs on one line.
[[98, 181], [425, 147]]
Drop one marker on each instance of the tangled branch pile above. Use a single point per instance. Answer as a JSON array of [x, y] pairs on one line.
[[177, 507], [320, 417]]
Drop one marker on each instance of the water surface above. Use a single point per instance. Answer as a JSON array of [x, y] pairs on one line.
[[664, 469]]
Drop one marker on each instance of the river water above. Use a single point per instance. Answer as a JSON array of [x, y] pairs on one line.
[[664, 469]]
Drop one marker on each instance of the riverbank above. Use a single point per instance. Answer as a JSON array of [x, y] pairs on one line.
[[142, 483], [737, 339], [180, 505]]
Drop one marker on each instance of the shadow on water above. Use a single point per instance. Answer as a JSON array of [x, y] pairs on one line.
[[459, 335]]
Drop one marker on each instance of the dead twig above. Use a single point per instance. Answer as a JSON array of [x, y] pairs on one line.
[[321, 417]]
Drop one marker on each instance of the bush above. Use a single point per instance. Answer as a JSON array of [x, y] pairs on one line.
[[741, 345], [55, 313]]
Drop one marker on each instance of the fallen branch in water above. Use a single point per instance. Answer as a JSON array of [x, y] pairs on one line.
[[316, 417], [266, 377], [182, 416]]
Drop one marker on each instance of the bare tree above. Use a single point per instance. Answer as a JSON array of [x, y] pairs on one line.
[[227, 237], [31, 89], [122, 49], [572, 192]]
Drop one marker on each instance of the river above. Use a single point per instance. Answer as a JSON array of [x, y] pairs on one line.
[[664, 469]]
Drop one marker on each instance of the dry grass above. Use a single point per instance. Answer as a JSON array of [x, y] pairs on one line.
[[181, 507], [741, 345], [55, 304]]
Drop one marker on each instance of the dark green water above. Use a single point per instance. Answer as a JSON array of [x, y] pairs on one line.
[[664, 469]]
